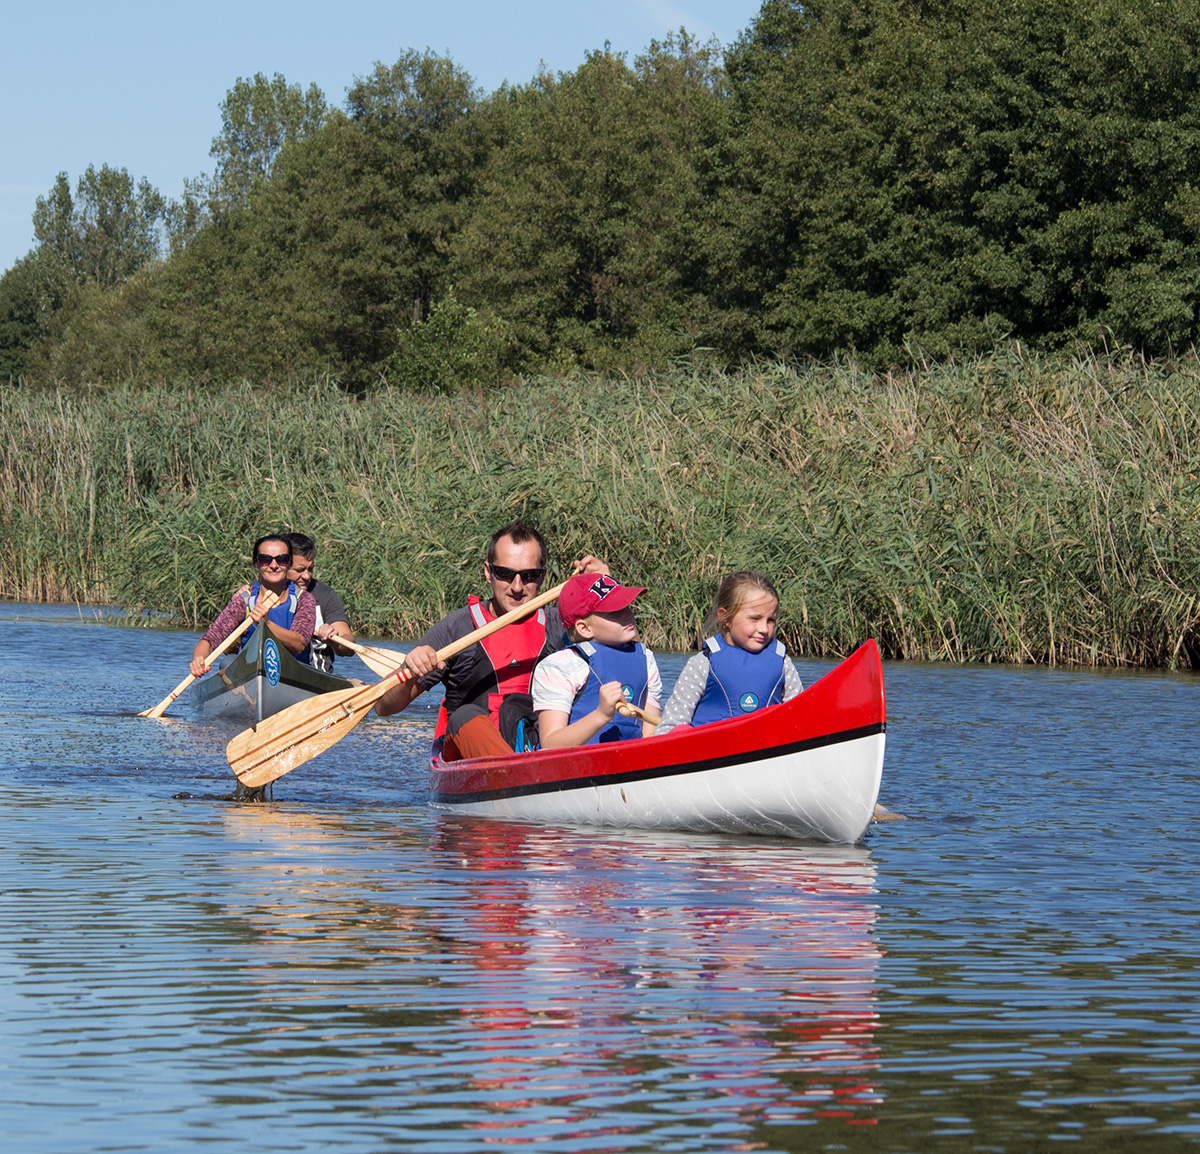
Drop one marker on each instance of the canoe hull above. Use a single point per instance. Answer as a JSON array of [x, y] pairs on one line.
[[808, 769], [263, 679]]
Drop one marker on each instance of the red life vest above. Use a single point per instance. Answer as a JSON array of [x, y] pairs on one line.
[[512, 653]]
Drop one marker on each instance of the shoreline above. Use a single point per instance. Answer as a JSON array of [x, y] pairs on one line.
[[1009, 508]]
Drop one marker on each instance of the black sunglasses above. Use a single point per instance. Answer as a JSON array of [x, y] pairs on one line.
[[263, 560], [528, 576]]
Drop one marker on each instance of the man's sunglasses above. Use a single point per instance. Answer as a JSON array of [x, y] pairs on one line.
[[266, 560], [528, 576]]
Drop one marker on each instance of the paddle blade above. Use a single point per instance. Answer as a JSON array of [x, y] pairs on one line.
[[279, 744], [380, 661]]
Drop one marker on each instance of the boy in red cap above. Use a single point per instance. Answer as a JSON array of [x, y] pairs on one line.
[[577, 691]]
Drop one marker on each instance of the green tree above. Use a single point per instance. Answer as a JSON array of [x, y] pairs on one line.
[[102, 337], [203, 316], [341, 244], [27, 297], [259, 118], [422, 134], [580, 235], [106, 231], [90, 243], [454, 346], [933, 174], [185, 217]]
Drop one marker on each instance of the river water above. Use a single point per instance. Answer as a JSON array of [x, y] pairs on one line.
[[1011, 968]]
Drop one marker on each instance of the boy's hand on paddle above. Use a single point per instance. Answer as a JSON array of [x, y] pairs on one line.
[[611, 695]]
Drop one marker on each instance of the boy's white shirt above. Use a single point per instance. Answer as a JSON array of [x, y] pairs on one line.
[[558, 679]]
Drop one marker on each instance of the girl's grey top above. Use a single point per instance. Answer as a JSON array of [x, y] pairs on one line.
[[690, 688]]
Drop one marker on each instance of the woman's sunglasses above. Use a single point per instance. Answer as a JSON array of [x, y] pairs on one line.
[[266, 560], [507, 575]]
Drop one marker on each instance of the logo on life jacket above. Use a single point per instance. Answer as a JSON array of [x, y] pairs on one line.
[[748, 702], [271, 662], [627, 692]]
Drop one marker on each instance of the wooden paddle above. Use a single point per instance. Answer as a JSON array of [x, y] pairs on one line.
[[279, 744], [627, 710], [268, 599], [381, 662]]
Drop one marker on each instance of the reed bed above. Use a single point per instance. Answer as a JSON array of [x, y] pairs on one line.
[[1007, 508]]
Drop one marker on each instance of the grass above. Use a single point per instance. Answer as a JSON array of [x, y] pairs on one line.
[[1010, 507]]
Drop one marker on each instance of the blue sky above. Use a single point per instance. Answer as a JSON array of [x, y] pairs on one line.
[[138, 85]]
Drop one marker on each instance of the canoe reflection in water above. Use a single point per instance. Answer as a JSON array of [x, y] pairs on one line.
[[539, 982], [750, 967]]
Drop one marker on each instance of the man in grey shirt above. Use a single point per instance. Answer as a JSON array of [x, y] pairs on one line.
[[331, 613], [482, 677]]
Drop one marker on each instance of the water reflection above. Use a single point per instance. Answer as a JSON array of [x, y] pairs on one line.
[[615, 981]]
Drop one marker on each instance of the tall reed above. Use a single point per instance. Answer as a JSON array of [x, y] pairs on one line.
[[1010, 507]]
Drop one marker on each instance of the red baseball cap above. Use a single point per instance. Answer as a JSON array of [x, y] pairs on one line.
[[593, 593]]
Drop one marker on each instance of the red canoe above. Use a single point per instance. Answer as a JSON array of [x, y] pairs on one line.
[[809, 768]]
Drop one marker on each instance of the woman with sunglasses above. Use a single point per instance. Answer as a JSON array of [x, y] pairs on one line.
[[292, 620]]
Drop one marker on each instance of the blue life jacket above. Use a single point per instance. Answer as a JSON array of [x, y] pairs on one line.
[[282, 615], [626, 664], [739, 682]]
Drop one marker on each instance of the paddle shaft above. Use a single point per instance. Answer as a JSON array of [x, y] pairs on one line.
[[268, 599], [279, 744]]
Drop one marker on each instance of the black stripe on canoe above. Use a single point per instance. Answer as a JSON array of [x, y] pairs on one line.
[[649, 774]]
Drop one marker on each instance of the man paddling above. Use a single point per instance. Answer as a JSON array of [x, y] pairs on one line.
[[331, 612], [479, 679]]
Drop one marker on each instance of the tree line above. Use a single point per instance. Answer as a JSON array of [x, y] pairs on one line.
[[902, 181]]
